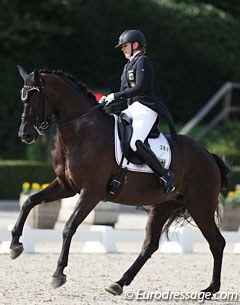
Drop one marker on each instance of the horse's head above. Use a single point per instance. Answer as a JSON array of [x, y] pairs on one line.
[[35, 112]]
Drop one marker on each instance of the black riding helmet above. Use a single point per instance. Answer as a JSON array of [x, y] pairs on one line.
[[131, 36]]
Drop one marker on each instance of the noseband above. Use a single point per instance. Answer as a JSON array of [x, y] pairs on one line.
[[40, 122]]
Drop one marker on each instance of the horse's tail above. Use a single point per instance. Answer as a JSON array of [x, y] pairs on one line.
[[180, 218], [224, 171]]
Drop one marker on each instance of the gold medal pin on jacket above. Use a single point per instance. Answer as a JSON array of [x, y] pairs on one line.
[[130, 75], [131, 78]]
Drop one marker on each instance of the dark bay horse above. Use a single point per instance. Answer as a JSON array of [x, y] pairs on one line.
[[84, 160]]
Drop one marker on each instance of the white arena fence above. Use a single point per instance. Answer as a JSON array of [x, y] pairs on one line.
[[104, 239]]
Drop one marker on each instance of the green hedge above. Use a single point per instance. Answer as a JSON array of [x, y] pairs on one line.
[[14, 173]]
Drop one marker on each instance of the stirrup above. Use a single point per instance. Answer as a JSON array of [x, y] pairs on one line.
[[166, 179]]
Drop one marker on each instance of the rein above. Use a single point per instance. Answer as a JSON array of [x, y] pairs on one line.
[[41, 122], [77, 115]]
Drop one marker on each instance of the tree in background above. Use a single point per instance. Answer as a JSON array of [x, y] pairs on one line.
[[194, 48], [229, 6]]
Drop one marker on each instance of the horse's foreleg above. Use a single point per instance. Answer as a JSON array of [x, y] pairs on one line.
[[84, 206], [156, 220], [54, 191]]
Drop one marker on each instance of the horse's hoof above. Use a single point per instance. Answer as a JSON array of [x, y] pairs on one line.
[[15, 251], [115, 289], [208, 292], [58, 281]]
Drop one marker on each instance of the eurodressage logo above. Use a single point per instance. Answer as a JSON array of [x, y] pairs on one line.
[[199, 297]]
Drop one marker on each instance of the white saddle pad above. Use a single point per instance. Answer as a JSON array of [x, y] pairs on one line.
[[159, 146]]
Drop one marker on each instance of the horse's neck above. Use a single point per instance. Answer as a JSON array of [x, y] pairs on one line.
[[72, 110], [79, 123], [89, 127], [73, 106], [69, 101]]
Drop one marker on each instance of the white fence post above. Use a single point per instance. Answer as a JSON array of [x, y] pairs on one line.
[[27, 240], [105, 245]]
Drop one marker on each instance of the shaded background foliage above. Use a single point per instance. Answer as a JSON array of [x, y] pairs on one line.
[[194, 47]]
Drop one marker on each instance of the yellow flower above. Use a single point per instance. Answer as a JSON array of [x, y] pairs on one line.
[[36, 186], [26, 185], [233, 197], [231, 194], [45, 185]]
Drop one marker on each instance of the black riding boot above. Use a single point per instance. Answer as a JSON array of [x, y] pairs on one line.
[[165, 175]]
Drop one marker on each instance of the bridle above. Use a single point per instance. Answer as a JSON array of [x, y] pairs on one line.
[[40, 123]]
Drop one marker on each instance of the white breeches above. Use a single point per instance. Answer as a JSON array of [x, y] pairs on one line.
[[143, 119]]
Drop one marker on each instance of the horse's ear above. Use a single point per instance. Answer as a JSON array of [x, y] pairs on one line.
[[22, 72]]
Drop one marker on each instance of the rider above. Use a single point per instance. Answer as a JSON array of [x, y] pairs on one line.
[[137, 82]]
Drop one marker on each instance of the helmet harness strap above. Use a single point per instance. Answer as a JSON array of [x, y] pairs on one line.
[[131, 48]]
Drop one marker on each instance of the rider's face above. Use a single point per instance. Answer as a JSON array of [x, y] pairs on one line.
[[126, 49]]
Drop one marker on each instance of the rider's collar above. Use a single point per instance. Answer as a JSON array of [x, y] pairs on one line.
[[133, 56]]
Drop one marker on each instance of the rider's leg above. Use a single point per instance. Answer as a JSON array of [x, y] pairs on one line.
[[143, 120], [165, 175]]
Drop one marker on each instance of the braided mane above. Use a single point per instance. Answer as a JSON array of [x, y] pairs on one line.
[[82, 87]]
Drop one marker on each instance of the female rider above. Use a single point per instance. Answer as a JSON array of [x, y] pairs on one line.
[[137, 82]]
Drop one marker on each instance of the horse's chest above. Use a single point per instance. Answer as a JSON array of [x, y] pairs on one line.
[[72, 171], [62, 168], [67, 169]]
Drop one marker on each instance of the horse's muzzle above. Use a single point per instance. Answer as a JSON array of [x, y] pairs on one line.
[[27, 138]]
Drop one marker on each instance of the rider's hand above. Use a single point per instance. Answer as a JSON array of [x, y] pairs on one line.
[[109, 99]]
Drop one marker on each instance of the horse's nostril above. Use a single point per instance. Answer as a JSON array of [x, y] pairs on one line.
[[26, 136]]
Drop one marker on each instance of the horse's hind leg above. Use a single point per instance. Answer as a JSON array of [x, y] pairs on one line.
[[156, 220], [203, 215]]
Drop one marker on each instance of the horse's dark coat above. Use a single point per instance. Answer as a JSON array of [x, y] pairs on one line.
[[83, 160]]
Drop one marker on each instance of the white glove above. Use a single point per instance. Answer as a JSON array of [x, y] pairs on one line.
[[102, 99], [109, 99]]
